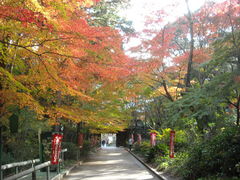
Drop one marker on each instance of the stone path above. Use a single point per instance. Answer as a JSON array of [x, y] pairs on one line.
[[111, 164]]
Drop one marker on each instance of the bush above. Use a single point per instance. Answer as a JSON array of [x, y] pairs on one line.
[[7, 158], [160, 150], [218, 156], [180, 142], [171, 164], [86, 148], [23, 150], [72, 150], [150, 153], [143, 149]]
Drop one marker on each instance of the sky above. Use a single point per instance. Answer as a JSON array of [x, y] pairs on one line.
[[140, 8]]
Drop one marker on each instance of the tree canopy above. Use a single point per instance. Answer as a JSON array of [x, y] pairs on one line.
[[56, 62]]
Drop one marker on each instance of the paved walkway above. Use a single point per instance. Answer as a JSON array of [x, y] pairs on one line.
[[111, 164]]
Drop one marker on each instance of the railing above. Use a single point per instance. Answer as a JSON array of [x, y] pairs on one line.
[[31, 170], [17, 165]]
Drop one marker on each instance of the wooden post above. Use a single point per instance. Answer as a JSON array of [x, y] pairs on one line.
[[48, 173], [16, 169], [78, 130], [62, 159], [40, 146], [34, 177], [58, 168]]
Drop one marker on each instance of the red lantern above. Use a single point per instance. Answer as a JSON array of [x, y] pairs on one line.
[[171, 146], [153, 138], [56, 148], [139, 138], [80, 139]]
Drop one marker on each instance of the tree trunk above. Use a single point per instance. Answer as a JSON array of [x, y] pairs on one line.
[[190, 57], [168, 95]]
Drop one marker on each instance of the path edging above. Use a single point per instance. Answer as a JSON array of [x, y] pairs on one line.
[[148, 167], [65, 173]]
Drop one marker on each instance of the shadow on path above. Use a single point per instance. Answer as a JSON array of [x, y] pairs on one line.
[[111, 164]]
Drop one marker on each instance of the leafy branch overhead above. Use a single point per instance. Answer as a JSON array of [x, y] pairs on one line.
[[51, 57]]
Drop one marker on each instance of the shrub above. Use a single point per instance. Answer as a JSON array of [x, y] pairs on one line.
[[142, 149], [150, 153], [23, 150], [86, 148], [181, 140], [159, 150], [218, 156], [7, 158], [72, 150]]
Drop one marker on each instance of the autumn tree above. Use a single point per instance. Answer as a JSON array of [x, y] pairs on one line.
[[168, 49], [52, 60]]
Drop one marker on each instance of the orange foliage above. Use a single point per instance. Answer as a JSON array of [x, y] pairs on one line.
[[25, 16], [56, 50]]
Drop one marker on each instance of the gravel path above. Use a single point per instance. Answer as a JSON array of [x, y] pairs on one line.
[[111, 164]]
